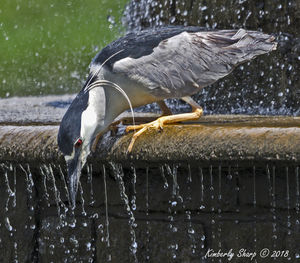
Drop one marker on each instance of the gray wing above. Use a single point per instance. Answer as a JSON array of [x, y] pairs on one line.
[[181, 65]]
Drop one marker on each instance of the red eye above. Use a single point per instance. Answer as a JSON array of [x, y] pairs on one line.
[[78, 143]]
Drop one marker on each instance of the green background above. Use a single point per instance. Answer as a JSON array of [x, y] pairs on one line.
[[46, 46]]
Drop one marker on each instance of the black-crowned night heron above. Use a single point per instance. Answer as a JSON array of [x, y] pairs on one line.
[[146, 67]]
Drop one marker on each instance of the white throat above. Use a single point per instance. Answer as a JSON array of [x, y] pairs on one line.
[[92, 118]]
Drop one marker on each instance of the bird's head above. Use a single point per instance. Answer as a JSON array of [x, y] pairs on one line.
[[81, 123]]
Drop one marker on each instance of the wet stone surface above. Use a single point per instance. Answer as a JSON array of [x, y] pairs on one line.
[[33, 110], [178, 212]]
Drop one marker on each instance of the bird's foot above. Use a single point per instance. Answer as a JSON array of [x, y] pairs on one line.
[[160, 122], [140, 129], [157, 124]]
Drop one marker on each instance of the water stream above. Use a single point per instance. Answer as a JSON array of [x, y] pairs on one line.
[[118, 172], [195, 220], [149, 212], [107, 239]]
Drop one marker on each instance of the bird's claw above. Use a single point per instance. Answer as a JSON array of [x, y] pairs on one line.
[[140, 129]]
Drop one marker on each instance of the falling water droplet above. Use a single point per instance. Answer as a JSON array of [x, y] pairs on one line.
[[172, 19], [107, 237], [297, 195], [8, 225], [119, 174], [90, 182], [174, 203], [162, 172], [189, 174], [202, 187], [83, 212]]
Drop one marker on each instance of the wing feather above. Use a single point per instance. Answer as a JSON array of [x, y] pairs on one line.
[[183, 63]]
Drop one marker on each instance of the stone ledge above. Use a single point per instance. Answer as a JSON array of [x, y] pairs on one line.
[[213, 138]]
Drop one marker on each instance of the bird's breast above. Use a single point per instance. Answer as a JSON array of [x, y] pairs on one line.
[[138, 91]]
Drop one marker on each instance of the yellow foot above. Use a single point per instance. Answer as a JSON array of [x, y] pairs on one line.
[[160, 122], [157, 125]]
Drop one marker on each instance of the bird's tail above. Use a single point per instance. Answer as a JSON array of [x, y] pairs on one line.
[[255, 41], [250, 44]]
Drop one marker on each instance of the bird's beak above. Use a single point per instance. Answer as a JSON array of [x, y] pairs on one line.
[[74, 170]]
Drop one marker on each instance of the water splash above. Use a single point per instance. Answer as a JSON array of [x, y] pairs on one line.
[[16, 252], [297, 196], [133, 183], [271, 90], [162, 172], [202, 206], [254, 186], [45, 189], [90, 183], [118, 171], [30, 192], [81, 194], [182, 218], [212, 197], [274, 224], [8, 225], [237, 188], [12, 194], [220, 207], [107, 239], [189, 179], [172, 209], [211, 188], [254, 206], [289, 232], [190, 228], [288, 221], [63, 179], [48, 173], [147, 215], [173, 173]]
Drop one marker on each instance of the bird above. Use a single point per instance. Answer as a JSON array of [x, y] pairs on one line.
[[150, 66]]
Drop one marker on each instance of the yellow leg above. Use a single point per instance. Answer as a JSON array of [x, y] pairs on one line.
[[160, 122]]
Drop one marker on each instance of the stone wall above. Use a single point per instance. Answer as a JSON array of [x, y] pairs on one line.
[[180, 211], [202, 190]]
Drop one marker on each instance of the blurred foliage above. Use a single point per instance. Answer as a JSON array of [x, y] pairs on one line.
[[46, 46]]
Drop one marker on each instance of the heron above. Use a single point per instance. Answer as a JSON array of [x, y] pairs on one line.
[[145, 67]]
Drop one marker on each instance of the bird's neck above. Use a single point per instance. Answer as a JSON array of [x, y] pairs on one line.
[[104, 105], [115, 104]]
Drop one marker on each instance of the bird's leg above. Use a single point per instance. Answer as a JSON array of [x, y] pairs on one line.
[[160, 122], [165, 112], [164, 108]]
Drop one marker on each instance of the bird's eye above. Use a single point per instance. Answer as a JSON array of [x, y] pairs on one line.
[[78, 143]]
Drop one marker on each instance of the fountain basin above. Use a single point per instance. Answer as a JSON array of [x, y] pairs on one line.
[[198, 183], [212, 138]]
